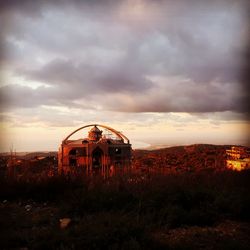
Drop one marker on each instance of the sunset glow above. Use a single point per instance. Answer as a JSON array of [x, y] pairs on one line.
[[165, 73]]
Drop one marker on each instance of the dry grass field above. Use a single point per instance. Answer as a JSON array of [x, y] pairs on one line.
[[136, 210]]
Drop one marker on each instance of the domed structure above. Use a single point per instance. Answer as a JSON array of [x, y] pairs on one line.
[[97, 152], [95, 134]]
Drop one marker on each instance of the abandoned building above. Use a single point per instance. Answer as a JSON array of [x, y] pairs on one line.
[[98, 152], [238, 158]]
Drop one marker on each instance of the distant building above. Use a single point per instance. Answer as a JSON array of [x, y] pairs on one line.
[[238, 158], [237, 152], [97, 153]]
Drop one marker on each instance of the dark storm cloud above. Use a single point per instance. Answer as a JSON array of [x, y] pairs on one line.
[[89, 49]]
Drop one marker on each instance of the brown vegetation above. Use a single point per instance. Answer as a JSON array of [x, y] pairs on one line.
[[140, 210]]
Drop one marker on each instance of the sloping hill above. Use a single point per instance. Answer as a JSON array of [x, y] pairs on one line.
[[183, 158]]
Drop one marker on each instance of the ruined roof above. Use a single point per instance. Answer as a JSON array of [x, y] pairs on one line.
[[95, 134], [102, 140]]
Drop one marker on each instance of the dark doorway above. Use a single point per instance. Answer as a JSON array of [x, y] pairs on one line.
[[72, 157], [97, 158]]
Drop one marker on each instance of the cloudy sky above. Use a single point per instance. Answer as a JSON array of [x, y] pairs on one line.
[[162, 72]]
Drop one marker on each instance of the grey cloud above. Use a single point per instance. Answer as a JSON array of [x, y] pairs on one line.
[[16, 96], [182, 96], [20, 96], [84, 80], [95, 49]]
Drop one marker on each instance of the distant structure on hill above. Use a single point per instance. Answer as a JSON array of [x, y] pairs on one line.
[[99, 152], [238, 158]]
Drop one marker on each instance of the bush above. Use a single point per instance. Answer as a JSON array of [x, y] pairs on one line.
[[119, 212]]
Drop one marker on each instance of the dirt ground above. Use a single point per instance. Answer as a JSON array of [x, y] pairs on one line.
[[225, 235], [24, 219]]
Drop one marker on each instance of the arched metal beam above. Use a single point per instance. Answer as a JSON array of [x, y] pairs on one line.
[[119, 134]]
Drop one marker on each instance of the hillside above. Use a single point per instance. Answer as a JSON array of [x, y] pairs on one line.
[[183, 158], [194, 207], [192, 158]]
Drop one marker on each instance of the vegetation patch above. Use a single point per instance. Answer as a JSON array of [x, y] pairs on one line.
[[125, 212]]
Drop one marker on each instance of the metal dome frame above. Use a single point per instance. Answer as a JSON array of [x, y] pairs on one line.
[[119, 134]]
